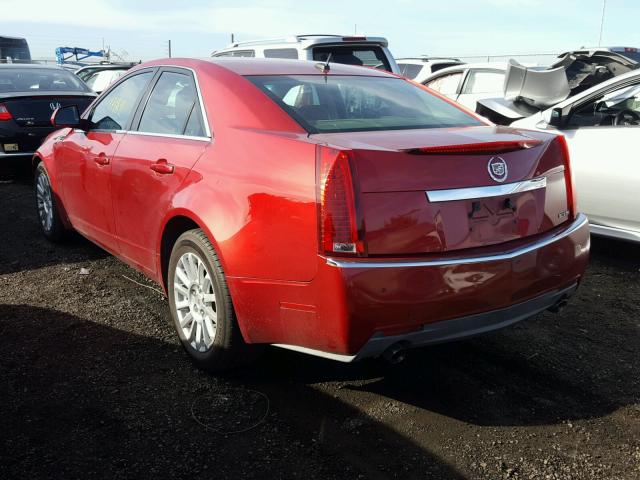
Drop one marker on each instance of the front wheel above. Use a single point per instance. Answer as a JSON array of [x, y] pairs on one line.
[[48, 212], [201, 305]]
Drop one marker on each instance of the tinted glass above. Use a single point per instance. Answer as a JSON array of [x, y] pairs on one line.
[[14, 48], [281, 53], [619, 108], [39, 79], [357, 103], [409, 70], [195, 126], [366, 56], [169, 105], [116, 108]]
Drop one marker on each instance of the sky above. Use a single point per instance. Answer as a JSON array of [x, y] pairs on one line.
[[139, 30]]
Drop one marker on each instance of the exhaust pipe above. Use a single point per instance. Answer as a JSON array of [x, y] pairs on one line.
[[559, 305], [395, 353]]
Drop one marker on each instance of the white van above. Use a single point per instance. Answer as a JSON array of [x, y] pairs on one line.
[[353, 50]]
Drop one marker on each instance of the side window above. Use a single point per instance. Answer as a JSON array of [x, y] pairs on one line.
[[446, 84], [195, 126], [619, 108], [236, 53], [281, 53], [169, 105], [409, 70], [484, 81], [116, 108]]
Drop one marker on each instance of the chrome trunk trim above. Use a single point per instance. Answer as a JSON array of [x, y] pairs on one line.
[[486, 192]]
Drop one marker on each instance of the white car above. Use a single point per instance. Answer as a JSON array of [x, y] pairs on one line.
[[350, 50], [470, 82], [602, 128], [420, 68]]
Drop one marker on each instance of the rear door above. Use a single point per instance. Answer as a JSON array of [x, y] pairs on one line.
[[84, 160], [169, 134]]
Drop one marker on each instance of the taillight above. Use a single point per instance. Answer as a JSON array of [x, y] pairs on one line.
[[572, 201], [5, 114], [338, 227]]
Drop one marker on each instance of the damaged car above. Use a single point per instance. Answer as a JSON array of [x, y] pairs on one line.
[[601, 126], [527, 91]]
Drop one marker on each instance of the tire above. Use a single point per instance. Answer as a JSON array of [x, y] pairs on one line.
[[47, 206], [195, 311]]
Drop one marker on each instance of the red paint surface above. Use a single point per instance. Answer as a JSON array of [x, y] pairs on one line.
[[252, 189]]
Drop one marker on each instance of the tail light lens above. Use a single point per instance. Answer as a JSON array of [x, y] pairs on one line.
[[477, 148], [338, 227], [5, 114], [572, 201]]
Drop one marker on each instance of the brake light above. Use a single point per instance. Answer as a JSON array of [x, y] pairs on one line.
[[477, 148], [572, 201], [337, 204], [353, 39], [5, 114]]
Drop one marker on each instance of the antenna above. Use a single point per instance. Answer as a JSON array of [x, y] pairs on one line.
[[324, 67], [604, 6]]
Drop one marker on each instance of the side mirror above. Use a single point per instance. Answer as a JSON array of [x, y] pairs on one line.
[[66, 117]]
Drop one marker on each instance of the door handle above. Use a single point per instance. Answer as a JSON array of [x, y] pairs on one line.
[[162, 167], [101, 159]]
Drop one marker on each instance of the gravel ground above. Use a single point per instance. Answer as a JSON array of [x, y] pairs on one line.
[[93, 384]]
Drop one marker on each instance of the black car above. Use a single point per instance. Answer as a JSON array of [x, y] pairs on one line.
[[29, 94]]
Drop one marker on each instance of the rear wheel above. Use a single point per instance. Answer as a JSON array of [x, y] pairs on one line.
[[201, 305], [48, 212]]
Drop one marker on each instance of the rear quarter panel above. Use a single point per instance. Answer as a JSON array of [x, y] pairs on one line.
[[254, 186]]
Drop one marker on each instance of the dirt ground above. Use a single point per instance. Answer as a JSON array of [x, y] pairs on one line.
[[93, 384]]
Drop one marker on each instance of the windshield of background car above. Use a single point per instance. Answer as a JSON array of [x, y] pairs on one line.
[[365, 56], [39, 79], [342, 103]]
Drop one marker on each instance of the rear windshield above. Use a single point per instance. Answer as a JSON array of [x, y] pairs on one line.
[[15, 49], [366, 55], [39, 80], [337, 103]]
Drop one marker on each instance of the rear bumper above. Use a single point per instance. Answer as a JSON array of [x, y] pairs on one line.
[[365, 306], [451, 330]]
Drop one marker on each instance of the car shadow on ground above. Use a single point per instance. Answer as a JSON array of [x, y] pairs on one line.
[[22, 245], [83, 400], [580, 363]]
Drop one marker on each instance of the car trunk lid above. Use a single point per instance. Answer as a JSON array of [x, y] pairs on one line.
[[438, 190], [31, 110]]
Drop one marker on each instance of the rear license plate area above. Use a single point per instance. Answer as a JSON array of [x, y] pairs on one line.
[[10, 147]]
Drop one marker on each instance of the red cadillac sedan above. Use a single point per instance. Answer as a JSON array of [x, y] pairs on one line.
[[330, 209]]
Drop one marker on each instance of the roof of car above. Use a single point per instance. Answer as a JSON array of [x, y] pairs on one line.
[[268, 66], [30, 65], [308, 40]]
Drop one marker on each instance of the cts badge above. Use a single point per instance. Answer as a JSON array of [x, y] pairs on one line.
[[497, 169]]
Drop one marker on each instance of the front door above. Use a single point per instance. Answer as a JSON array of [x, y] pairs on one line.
[[85, 161], [602, 135]]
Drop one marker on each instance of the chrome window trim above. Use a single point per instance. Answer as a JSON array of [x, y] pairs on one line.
[[577, 224], [471, 193], [169, 135], [203, 111]]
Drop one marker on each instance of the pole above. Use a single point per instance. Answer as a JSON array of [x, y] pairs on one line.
[[604, 6], [169, 48], [232, 39]]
